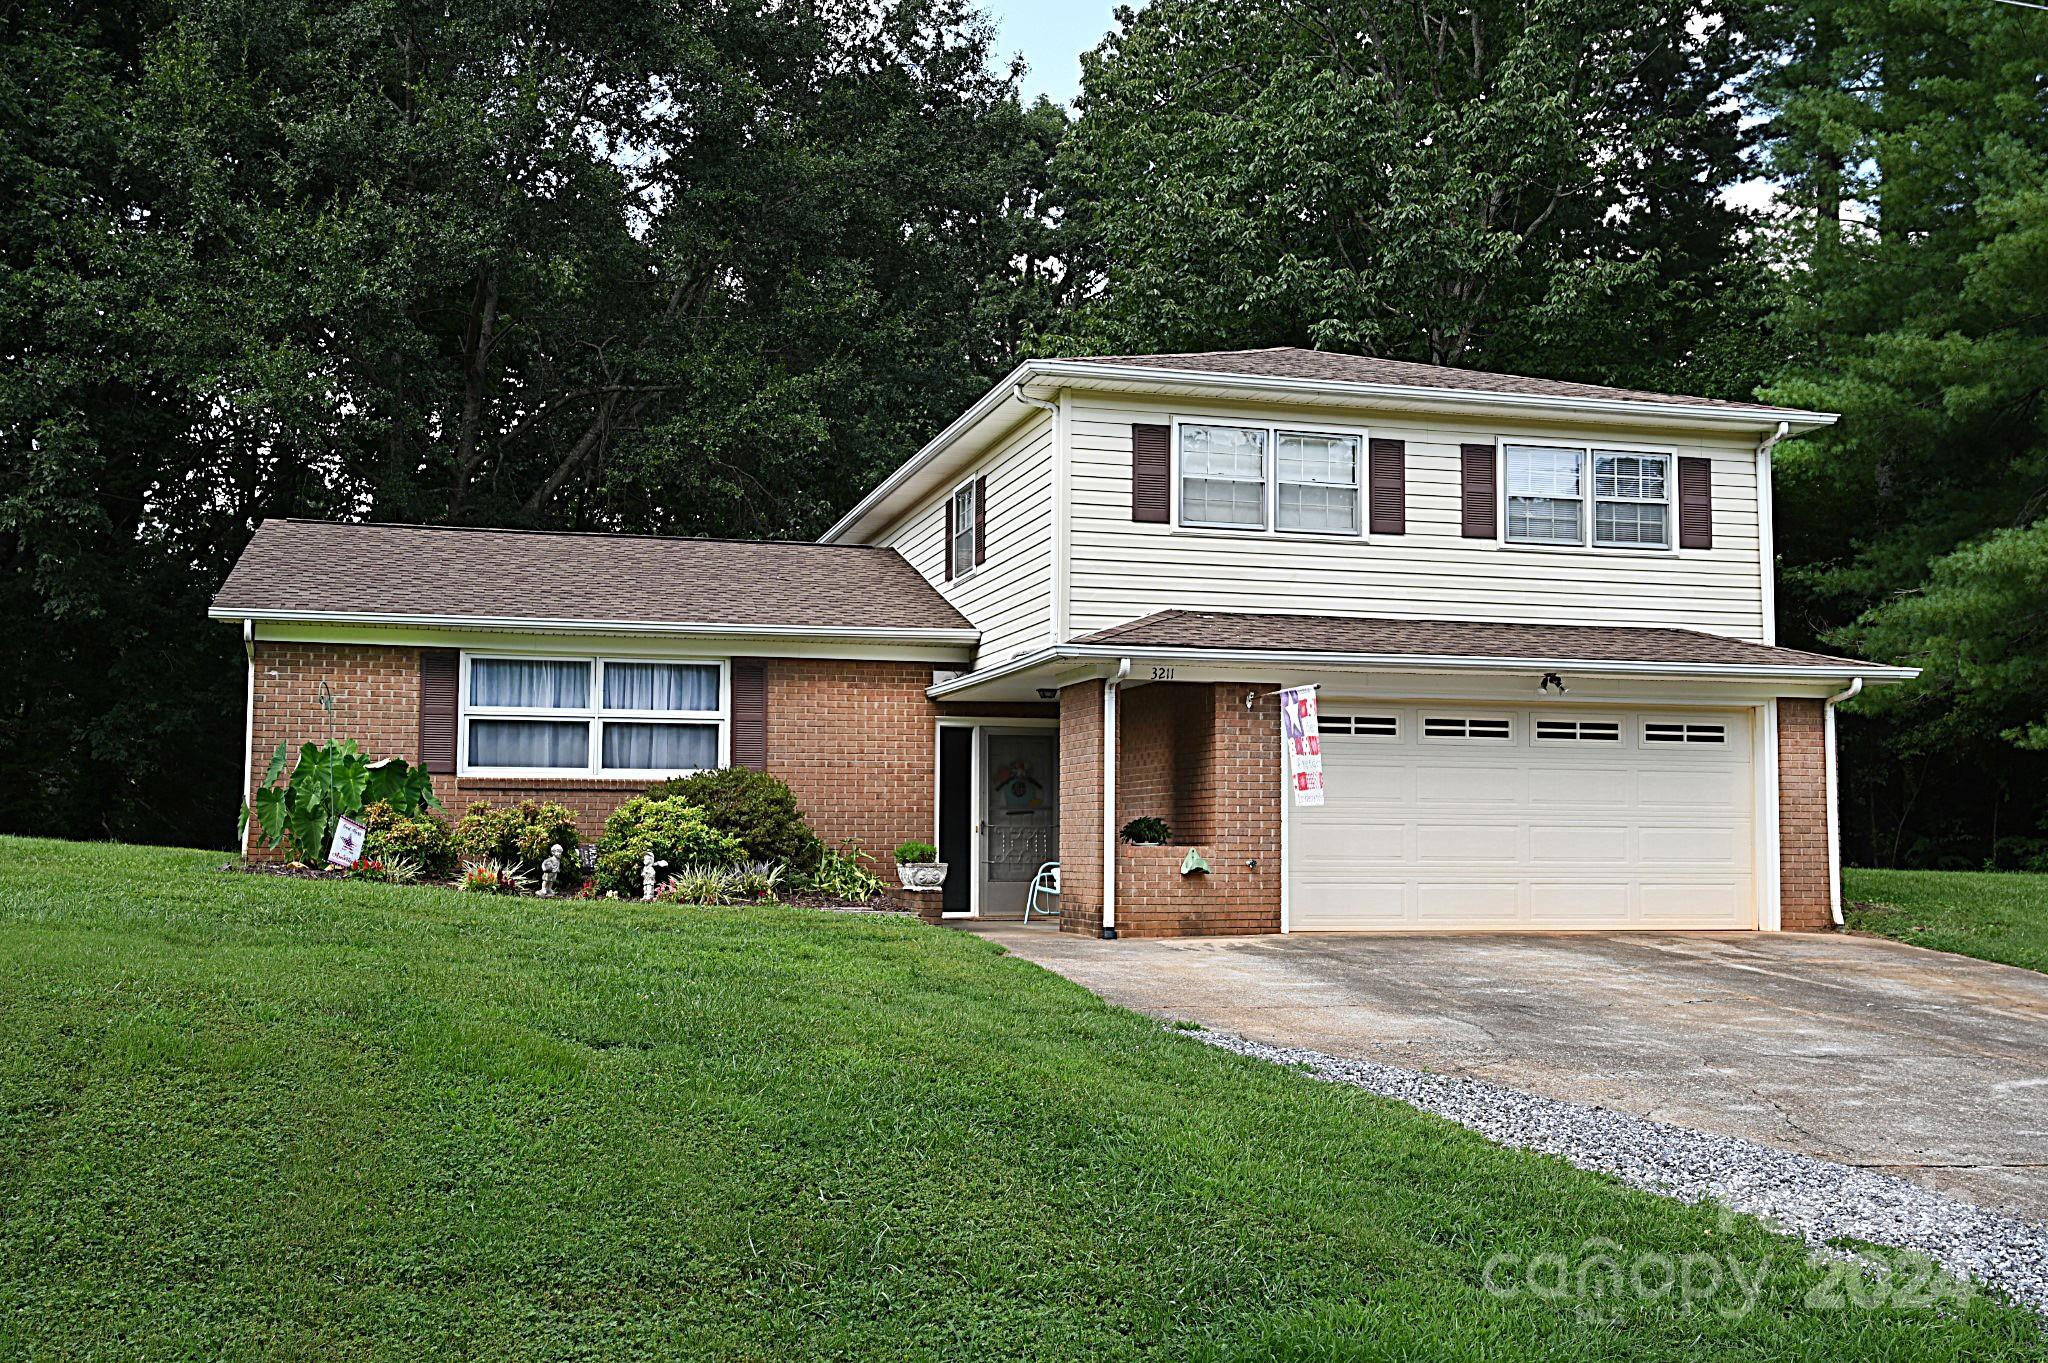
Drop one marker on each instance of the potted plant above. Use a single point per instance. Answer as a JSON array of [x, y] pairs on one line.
[[918, 866], [1147, 832]]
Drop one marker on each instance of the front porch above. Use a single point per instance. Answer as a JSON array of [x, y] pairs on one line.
[[1204, 757]]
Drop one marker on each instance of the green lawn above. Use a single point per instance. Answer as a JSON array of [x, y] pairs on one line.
[[245, 1116], [1994, 915]]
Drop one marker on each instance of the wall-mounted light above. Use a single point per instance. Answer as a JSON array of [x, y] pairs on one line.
[[1551, 682], [1048, 693]]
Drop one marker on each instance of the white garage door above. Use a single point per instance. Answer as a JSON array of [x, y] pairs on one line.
[[1445, 817]]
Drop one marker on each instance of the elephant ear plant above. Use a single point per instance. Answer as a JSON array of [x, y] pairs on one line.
[[330, 783]]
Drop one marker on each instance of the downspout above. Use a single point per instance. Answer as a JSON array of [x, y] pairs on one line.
[[1767, 540], [248, 730], [1109, 741], [1835, 800]]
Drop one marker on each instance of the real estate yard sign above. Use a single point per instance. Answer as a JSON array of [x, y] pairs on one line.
[[1304, 744]]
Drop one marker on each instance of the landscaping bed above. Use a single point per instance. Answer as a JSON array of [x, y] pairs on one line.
[[260, 1116]]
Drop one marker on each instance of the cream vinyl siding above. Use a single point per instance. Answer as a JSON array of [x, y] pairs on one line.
[[1009, 597], [1121, 570]]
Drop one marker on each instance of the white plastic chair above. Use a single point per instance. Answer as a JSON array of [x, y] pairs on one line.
[[1046, 882]]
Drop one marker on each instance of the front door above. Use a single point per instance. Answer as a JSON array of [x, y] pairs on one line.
[[1020, 806]]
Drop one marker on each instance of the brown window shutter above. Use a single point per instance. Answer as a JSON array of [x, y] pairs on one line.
[[1476, 469], [750, 713], [1389, 482], [440, 673], [980, 521], [946, 534], [1695, 503], [1151, 468]]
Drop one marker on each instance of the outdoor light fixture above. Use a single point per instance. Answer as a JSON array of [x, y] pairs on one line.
[[1551, 682], [1048, 693]]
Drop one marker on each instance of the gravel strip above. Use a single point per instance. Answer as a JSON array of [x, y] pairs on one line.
[[1815, 1199]]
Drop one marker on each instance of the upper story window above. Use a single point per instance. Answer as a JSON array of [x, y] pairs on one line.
[[591, 717], [1557, 494], [961, 528], [1249, 477]]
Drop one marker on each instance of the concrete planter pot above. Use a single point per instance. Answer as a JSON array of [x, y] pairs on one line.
[[921, 875]]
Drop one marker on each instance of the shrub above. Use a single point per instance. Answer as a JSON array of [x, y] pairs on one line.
[[1147, 829], [419, 838], [521, 832], [754, 807], [675, 830], [397, 870], [492, 876], [916, 851], [840, 875], [331, 782], [753, 883]]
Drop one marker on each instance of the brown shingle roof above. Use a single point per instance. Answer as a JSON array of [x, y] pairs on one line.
[[1292, 362], [325, 567], [1451, 639]]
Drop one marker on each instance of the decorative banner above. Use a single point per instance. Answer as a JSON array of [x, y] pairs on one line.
[[1304, 744], [348, 843]]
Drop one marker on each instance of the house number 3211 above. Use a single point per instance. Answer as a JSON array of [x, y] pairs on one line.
[[1162, 674]]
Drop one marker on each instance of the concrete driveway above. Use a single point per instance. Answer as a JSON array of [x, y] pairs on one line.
[[1859, 1050]]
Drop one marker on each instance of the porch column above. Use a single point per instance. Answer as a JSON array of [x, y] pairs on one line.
[[1082, 810]]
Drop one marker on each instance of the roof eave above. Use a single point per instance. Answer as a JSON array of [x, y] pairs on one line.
[[530, 625], [1849, 669]]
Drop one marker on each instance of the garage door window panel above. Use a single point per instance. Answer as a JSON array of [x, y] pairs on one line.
[[1468, 729]]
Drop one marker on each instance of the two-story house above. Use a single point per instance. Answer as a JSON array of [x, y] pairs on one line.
[[1538, 616]]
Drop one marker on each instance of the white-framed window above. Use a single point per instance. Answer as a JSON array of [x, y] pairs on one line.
[[1293, 480], [584, 717], [961, 528], [1573, 495]]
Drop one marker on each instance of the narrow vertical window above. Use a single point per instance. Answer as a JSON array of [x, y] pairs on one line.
[[962, 529]]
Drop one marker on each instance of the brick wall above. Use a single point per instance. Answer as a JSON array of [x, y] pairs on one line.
[[1803, 889], [1081, 808], [1196, 757], [854, 739]]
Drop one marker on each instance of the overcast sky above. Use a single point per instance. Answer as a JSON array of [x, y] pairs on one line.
[[1052, 35]]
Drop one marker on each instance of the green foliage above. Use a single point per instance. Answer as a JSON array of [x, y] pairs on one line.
[[753, 883], [672, 828], [422, 838], [1147, 829], [916, 852], [841, 875], [758, 809], [523, 833], [1534, 187], [706, 269], [329, 783], [1916, 158]]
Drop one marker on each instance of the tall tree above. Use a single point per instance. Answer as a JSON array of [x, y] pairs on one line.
[[1534, 187], [699, 268], [1914, 142]]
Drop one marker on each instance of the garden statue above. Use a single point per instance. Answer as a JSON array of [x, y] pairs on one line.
[[550, 867], [647, 865]]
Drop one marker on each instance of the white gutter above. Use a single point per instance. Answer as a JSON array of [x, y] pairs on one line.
[[1767, 538], [1428, 662], [1109, 745], [549, 626], [1136, 378], [1835, 801], [249, 732]]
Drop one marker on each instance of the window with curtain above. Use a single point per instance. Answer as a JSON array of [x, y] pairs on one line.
[[593, 716], [1317, 482], [963, 529], [1556, 494], [1223, 476]]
